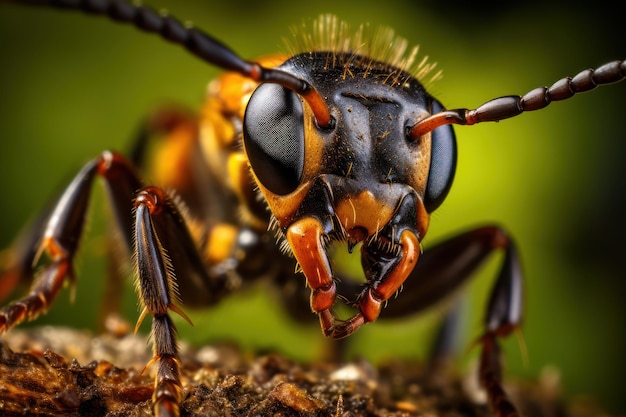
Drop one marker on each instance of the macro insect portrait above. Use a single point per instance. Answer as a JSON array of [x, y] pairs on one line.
[[319, 183]]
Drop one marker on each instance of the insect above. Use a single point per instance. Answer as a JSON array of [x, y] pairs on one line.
[[355, 235]]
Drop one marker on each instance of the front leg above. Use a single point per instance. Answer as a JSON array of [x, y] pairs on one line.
[[166, 252], [157, 289], [442, 269], [166, 255]]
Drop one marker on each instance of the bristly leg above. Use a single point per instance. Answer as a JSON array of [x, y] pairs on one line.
[[158, 228]]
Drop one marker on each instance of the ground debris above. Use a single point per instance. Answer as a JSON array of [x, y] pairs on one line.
[[62, 372]]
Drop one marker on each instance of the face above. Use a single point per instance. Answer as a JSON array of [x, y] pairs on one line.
[[362, 179]]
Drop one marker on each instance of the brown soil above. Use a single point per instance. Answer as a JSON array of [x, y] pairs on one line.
[[54, 374]]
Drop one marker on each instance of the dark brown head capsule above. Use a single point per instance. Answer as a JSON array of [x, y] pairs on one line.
[[364, 179]]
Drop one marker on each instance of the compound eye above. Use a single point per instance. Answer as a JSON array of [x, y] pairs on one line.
[[273, 136], [442, 163]]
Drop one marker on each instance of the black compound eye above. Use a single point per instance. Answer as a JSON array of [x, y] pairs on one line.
[[273, 135], [442, 163]]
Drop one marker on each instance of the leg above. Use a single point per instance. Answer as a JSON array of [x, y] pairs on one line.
[[52, 241], [165, 250], [16, 262], [442, 269], [161, 242], [156, 285], [169, 136]]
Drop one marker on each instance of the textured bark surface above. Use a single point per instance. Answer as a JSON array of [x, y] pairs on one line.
[[61, 372]]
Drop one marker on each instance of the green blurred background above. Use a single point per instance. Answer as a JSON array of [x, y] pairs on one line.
[[72, 85]]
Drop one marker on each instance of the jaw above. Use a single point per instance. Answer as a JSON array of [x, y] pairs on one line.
[[387, 258], [388, 219]]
